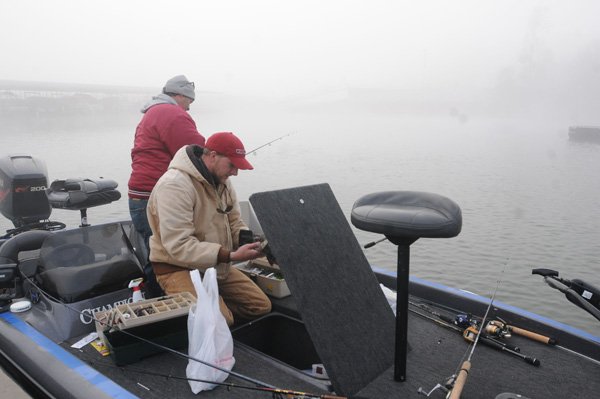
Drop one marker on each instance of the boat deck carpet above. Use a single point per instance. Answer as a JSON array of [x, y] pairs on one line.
[[163, 375], [436, 354]]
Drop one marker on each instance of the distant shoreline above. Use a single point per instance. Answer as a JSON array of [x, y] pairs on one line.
[[19, 85]]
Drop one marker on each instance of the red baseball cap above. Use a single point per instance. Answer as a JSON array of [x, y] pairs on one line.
[[226, 143]]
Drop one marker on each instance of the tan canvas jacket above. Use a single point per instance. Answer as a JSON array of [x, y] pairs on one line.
[[188, 231]]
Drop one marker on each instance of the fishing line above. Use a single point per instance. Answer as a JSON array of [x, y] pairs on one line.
[[269, 143]]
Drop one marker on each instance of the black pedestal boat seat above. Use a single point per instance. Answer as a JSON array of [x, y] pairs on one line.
[[81, 194], [404, 217]]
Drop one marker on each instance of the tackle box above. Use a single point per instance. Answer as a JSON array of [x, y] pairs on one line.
[[161, 320], [147, 311], [268, 277]]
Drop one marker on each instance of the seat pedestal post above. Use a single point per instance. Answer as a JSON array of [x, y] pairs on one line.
[[84, 220], [402, 279]]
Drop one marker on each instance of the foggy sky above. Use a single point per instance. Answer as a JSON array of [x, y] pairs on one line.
[[287, 47]]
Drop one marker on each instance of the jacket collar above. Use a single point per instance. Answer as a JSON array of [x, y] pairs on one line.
[[194, 152]]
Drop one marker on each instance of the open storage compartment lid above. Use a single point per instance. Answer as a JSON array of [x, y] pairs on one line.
[[345, 312]]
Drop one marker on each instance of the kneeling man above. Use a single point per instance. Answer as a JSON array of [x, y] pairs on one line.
[[196, 221]]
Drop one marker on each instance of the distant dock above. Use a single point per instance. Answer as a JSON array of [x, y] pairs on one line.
[[585, 133]]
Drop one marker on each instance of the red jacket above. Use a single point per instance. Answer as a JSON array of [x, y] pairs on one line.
[[163, 130]]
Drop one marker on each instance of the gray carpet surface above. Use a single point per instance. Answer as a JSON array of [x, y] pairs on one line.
[[337, 293]]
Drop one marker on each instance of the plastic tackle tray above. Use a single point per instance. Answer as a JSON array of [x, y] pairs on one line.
[[144, 312]]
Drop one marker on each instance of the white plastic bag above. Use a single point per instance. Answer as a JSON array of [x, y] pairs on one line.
[[209, 336]]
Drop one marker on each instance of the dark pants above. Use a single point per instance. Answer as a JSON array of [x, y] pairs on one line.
[[137, 210]]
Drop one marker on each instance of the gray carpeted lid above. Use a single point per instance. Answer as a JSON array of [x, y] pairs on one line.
[[338, 296]]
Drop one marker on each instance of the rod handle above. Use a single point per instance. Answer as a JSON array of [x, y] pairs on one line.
[[461, 379], [534, 336]]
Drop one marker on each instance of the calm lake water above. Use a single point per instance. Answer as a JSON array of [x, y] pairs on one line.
[[529, 197]]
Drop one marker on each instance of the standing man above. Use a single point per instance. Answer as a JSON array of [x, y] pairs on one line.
[[196, 222], [165, 128]]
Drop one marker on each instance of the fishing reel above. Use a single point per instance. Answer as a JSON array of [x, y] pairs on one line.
[[470, 333], [497, 328], [464, 320]]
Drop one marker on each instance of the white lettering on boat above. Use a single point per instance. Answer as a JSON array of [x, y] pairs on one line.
[[87, 315]]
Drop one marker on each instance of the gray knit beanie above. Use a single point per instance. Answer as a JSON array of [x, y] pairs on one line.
[[180, 85]]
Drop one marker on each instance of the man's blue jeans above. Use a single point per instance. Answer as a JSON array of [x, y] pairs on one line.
[[137, 210]]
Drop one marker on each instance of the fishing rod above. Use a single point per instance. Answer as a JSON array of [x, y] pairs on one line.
[[269, 143], [466, 326], [494, 326], [228, 385], [499, 327], [469, 336], [461, 378]]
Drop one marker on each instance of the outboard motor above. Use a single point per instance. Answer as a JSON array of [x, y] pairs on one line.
[[23, 183]]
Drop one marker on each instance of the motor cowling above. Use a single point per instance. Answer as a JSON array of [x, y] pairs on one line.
[[23, 184]]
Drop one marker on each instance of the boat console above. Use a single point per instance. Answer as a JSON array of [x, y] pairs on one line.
[[404, 217]]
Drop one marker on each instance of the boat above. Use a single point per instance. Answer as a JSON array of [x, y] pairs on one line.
[[347, 329], [588, 134]]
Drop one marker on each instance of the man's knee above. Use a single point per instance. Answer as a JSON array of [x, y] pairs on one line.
[[176, 282], [258, 306]]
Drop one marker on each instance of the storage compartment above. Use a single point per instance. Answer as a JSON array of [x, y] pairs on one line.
[[125, 349], [280, 337], [267, 277]]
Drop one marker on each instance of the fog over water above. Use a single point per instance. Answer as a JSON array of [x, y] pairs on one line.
[[469, 99], [507, 55]]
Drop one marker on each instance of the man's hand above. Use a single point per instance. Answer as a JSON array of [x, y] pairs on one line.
[[246, 252]]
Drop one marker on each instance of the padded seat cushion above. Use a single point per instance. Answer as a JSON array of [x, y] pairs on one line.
[[407, 214], [76, 194]]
